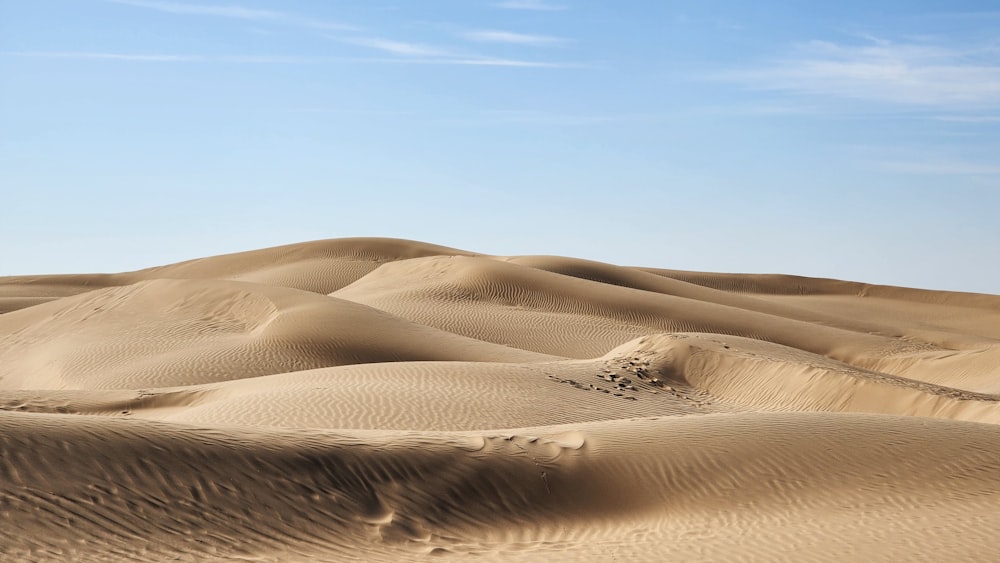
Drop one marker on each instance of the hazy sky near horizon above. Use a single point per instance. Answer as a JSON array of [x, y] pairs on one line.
[[855, 140]]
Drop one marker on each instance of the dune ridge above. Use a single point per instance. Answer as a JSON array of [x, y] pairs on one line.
[[385, 400]]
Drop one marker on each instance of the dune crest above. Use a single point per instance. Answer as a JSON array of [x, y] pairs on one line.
[[389, 400]]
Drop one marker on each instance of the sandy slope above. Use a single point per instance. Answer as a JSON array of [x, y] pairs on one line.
[[379, 399]]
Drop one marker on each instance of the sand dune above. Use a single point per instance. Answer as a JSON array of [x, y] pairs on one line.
[[320, 266], [181, 332], [385, 400]]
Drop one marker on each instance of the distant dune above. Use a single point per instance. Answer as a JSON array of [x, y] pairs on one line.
[[390, 400]]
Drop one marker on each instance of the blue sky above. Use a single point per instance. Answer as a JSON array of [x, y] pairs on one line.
[[854, 140]]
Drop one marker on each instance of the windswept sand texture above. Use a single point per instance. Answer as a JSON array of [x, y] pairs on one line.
[[384, 400]]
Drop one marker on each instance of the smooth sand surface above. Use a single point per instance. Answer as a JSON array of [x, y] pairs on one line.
[[390, 400]]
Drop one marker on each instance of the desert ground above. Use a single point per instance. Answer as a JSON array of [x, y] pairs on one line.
[[390, 400]]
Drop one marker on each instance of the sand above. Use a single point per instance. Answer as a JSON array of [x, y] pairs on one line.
[[390, 400]]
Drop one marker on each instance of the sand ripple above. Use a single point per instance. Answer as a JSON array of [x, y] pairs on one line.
[[385, 400]]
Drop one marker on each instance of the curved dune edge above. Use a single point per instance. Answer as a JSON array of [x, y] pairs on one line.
[[665, 374], [385, 400], [162, 333], [143, 490], [321, 266]]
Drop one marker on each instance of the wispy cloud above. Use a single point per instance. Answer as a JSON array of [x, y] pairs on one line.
[[172, 58], [404, 51], [96, 56], [545, 118], [235, 12], [969, 118], [396, 47], [203, 10], [958, 160], [430, 54], [540, 5], [265, 59], [942, 167], [491, 61], [912, 74], [498, 36]]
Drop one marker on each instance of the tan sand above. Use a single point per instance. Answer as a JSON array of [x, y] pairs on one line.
[[389, 400]]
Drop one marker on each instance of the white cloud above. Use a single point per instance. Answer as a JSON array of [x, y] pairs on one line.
[[428, 54], [490, 61], [969, 118], [942, 167], [396, 47], [964, 159], [912, 74], [498, 36], [265, 59], [234, 12], [204, 10], [406, 51], [87, 55], [539, 5]]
